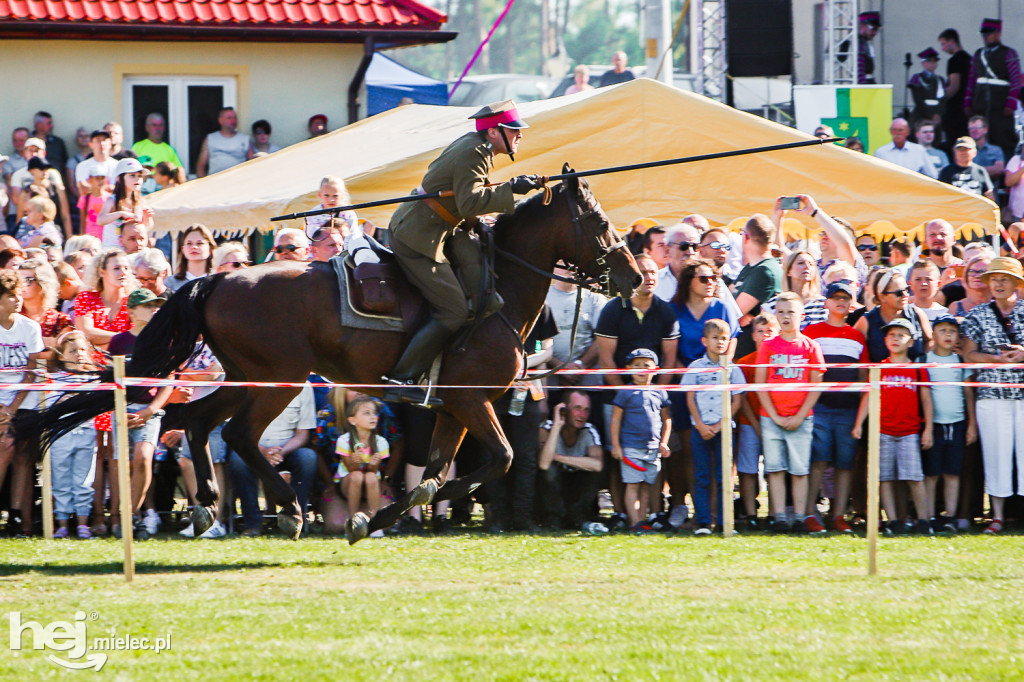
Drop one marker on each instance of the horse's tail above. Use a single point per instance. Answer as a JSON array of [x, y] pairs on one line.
[[166, 343]]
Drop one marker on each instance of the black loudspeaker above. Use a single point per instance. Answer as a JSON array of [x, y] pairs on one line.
[[759, 37]]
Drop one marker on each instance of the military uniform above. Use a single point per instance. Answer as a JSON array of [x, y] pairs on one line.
[[928, 89], [865, 50], [993, 85], [419, 230]]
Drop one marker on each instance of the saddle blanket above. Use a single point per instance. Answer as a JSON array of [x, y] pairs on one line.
[[349, 316]]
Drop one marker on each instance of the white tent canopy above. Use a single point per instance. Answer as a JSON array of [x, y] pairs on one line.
[[386, 155]]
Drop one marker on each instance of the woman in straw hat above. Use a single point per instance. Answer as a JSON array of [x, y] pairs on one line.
[[994, 334]]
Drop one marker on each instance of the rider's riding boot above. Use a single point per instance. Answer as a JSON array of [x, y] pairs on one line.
[[415, 361]]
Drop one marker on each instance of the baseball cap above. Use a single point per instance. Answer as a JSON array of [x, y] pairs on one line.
[[96, 171], [317, 117], [642, 353], [35, 142], [965, 142], [901, 323], [128, 165], [36, 163], [945, 318], [99, 133], [143, 296], [836, 287]]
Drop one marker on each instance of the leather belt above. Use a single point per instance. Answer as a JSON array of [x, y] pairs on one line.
[[437, 208]]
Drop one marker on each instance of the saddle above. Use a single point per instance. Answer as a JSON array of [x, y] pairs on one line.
[[382, 290]]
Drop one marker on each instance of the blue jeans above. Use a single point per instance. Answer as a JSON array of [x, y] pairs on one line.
[[707, 471], [73, 466], [302, 465]]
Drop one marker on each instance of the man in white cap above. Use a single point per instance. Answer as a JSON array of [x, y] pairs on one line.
[[419, 230]]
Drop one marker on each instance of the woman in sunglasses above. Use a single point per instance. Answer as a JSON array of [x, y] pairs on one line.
[[695, 303], [230, 256], [196, 247], [39, 300], [891, 295]]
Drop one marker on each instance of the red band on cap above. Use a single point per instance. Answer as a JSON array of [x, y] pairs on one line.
[[497, 119]]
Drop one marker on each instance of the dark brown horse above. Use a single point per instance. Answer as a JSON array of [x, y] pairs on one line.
[[279, 322]]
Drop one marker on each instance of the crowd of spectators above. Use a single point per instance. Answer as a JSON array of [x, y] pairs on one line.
[[74, 292], [586, 458]]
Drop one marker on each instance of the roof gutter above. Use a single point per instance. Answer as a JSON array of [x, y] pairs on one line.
[[358, 78], [74, 30]]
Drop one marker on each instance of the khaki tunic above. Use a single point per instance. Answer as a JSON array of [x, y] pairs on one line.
[[418, 233]]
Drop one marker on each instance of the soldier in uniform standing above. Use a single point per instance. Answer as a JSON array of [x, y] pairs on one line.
[[993, 86], [419, 230], [869, 24], [928, 89]]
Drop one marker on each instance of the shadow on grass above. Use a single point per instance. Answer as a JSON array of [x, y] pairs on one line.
[[157, 568]]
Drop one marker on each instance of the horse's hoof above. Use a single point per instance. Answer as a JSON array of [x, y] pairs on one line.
[[202, 520], [357, 528], [424, 493], [290, 525]]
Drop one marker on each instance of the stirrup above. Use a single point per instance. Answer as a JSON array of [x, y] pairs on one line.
[[409, 392]]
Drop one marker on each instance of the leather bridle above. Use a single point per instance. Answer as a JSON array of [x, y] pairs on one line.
[[583, 221]]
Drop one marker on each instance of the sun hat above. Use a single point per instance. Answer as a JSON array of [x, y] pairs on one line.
[[1004, 265], [128, 165]]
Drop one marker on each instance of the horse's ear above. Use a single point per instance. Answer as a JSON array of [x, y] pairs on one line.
[[574, 183]]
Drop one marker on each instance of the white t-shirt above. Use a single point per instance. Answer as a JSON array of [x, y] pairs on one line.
[[84, 169], [23, 178], [300, 414], [23, 338]]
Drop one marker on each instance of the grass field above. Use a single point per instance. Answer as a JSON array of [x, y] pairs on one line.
[[516, 607]]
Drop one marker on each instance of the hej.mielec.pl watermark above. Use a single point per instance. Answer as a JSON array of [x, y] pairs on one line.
[[72, 639]]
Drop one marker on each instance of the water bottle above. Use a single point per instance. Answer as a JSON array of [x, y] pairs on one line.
[[515, 408]]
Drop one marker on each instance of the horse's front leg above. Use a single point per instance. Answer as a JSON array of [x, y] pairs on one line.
[[483, 425]]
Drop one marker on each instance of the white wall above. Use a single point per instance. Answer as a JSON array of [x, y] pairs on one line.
[[79, 82]]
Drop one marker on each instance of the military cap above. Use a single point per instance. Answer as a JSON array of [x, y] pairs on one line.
[[928, 54], [502, 114], [872, 17], [991, 25]]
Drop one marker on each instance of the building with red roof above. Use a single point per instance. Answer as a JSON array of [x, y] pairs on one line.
[[88, 62]]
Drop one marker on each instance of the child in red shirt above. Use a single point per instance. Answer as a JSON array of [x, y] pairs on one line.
[[787, 426], [906, 426]]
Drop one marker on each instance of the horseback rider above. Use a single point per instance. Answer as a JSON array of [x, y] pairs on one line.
[[419, 230]]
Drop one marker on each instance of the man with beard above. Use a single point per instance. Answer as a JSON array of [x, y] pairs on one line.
[[939, 239]]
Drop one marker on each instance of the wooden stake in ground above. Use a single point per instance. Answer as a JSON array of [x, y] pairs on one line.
[[874, 444], [123, 464], [728, 523], [47, 474]]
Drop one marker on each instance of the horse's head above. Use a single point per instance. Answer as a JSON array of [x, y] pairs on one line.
[[593, 245]]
